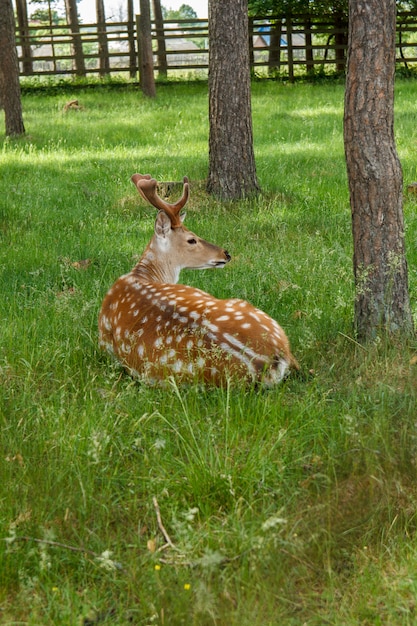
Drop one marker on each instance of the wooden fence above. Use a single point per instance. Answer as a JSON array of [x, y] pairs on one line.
[[296, 45]]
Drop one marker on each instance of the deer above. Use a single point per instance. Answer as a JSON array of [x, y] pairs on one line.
[[159, 329]]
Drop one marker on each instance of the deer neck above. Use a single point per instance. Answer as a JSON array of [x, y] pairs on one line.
[[154, 269]]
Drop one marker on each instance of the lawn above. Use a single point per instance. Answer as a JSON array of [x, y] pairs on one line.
[[126, 504]]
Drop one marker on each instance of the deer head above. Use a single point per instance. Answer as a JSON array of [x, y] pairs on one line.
[[174, 247], [158, 328]]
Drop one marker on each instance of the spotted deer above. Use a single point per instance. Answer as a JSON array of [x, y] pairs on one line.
[[158, 329]]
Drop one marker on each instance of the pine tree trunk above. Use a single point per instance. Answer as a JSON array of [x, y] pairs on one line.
[[146, 71], [103, 48], [22, 18], [374, 172], [9, 72], [76, 44], [232, 172], [161, 47]]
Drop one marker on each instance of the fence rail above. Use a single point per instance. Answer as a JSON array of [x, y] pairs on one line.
[[284, 45]]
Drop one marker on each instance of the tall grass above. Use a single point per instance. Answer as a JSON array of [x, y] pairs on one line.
[[126, 504]]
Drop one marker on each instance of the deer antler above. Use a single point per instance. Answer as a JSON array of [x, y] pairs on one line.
[[146, 185]]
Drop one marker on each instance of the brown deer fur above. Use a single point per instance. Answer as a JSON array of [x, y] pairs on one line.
[[158, 329]]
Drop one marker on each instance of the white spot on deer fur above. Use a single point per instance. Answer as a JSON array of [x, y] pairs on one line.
[[223, 318], [171, 353], [106, 322], [168, 340], [255, 316], [194, 315], [246, 325], [136, 313], [238, 355], [144, 319], [190, 368], [114, 305], [200, 362], [210, 326], [183, 320], [163, 359], [189, 344], [158, 342], [139, 332], [141, 350], [177, 366]]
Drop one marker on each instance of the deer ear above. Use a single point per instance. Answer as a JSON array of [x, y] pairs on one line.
[[162, 225]]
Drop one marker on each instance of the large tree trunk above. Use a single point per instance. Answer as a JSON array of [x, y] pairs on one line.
[[22, 18], [9, 72], [374, 172], [103, 48], [77, 46], [232, 172]]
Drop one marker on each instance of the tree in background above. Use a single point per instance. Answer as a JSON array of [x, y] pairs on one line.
[[335, 11], [23, 25], [185, 12], [146, 72], [374, 172], [103, 48], [161, 46], [77, 46], [232, 172], [9, 72]]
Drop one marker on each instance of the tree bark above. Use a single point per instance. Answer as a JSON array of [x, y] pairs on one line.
[[77, 46], [103, 48], [161, 47], [232, 172], [22, 19], [131, 36], [146, 73], [9, 72], [374, 172]]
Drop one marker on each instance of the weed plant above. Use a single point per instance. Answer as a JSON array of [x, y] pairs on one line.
[[124, 504]]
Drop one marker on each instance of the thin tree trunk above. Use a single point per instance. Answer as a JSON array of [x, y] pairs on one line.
[[309, 45], [22, 18], [9, 72], [77, 47], [147, 79], [131, 36], [374, 172], [232, 172], [274, 59], [161, 48], [103, 48], [340, 40]]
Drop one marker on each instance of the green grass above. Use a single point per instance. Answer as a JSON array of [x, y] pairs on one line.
[[293, 506]]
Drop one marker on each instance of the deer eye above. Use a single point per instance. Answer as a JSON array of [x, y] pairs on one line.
[[192, 241]]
